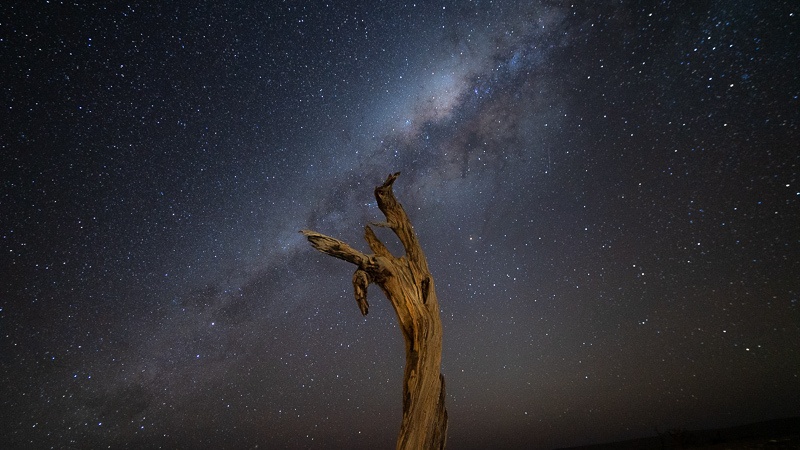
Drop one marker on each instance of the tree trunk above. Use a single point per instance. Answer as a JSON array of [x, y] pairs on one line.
[[408, 285]]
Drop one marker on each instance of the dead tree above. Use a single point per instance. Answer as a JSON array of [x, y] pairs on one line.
[[407, 283]]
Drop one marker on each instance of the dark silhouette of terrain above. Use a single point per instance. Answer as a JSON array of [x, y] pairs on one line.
[[776, 434]]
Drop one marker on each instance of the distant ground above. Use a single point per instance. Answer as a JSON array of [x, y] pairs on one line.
[[774, 434]]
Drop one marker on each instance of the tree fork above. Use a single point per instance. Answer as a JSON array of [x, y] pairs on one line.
[[408, 284]]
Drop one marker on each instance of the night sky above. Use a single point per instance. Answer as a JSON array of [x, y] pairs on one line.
[[607, 192]]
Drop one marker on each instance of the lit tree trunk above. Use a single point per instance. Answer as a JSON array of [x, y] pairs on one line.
[[408, 285]]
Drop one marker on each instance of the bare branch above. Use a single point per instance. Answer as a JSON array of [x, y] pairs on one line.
[[375, 244], [360, 284], [398, 221], [336, 248]]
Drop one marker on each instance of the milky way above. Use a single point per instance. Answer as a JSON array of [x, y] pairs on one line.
[[607, 195]]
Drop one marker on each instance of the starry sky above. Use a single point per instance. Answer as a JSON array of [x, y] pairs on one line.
[[607, 193]]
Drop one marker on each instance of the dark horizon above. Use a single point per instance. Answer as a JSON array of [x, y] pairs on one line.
[[607, 195], [776, 433]]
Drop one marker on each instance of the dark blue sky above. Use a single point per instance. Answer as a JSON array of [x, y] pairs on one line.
[[607, 194]]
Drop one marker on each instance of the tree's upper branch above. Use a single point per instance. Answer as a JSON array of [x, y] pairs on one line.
[[398, 221]]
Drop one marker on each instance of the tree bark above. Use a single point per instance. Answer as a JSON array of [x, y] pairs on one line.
[[408, 284]]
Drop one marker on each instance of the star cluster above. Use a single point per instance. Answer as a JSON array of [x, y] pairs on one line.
[[607, 193]]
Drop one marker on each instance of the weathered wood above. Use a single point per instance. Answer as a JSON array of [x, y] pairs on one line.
[[408, 284]]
